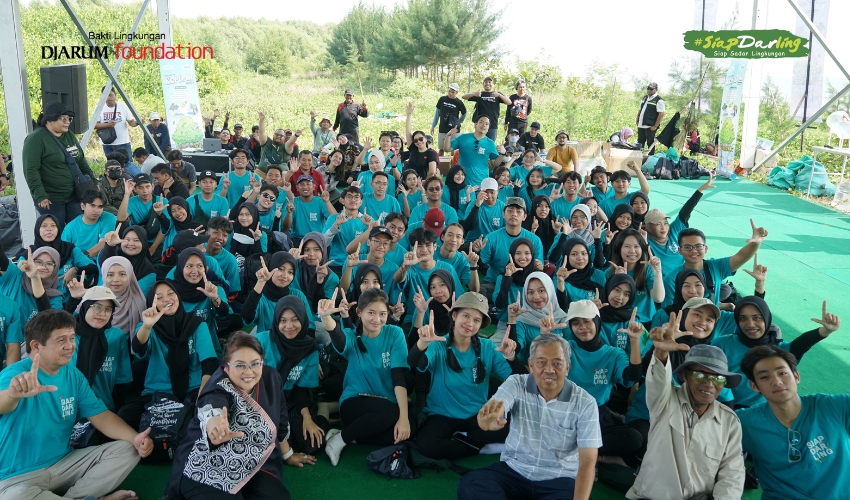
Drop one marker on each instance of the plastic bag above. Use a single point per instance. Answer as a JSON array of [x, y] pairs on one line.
[[819, 179], [10, 228], [781, 177]]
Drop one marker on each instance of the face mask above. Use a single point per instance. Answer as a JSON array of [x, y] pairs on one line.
[[509, 159], [114, 174], [513, 138]]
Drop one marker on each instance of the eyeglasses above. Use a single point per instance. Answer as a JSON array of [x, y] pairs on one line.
[[702, 377], [435, 189], [280, 135], [48, 265], [352, 197], [420, 139], [99, 309], [242, 367], [476, 144], [66, 119], [380, 243], [268, 196], [689, 248], [579, 217], [794, 439]]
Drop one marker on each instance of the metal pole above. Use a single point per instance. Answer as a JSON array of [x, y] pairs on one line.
[[808, 76], [18, 115], [817, 35]]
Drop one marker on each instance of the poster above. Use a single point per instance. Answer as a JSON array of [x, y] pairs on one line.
[[182, 106], [730, 110]]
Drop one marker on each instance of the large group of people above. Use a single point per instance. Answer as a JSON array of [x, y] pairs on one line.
[[312, 298]]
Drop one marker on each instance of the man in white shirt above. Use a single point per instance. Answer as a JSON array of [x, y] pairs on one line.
[[116, 115]]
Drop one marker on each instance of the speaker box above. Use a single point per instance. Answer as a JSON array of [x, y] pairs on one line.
[[66, 83]]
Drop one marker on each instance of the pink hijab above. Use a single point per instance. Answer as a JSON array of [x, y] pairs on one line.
[[625, 133]]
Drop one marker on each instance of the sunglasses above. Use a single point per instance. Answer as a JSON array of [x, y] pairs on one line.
[[420, 139], [268, 196], [435, 189], [702, 377], [794, 439]]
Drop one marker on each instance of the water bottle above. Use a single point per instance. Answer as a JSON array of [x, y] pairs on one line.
[[841, 200]]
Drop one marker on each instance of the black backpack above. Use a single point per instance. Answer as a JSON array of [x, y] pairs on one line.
[[393, 461], [663, 169]]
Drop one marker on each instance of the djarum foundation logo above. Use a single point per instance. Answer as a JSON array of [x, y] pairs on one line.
[[122, 50]]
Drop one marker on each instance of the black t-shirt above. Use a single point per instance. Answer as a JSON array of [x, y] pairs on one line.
[[419, 160], [519, 110], [488, 105], [450, 111], [526, 141]]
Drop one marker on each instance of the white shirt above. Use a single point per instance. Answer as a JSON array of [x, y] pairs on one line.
[[122, 114]]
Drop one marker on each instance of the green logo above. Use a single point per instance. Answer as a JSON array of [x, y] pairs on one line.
[[746, 44]]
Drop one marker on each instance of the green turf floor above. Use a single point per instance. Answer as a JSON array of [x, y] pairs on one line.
[[808, 256]]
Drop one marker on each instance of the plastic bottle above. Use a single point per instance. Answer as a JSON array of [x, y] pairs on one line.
[[841, 200]]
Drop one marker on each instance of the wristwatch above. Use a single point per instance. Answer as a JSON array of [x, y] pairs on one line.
[[7, 175]]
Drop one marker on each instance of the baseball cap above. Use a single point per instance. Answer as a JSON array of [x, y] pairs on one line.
[[698, 302], [54, 110], [238, 125], [328, 118], [515, 201], [143, 177], [487, 78], [454, 86], [112, 163], [434, 220], [653, 86], [510, 149], [472, 300], [582, 309], [514, 131], [187, 239], [303, 177], [155, 116], [535, 125], [380, 230], [217, 129], [489, 183], [207, 174], [96, 293], [655, 216], [349, 92]]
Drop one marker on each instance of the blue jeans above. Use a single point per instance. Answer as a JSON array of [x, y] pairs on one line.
[[64, 211], [108, 148], [500, 482]]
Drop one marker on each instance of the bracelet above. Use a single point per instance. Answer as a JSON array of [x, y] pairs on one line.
[[473, 268], [288, 454]]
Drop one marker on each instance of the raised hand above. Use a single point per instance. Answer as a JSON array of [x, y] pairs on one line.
[[515, 309], [556, 225], [643, 233], [341, 219], [365, 218], [209, 289], [511, 268], [653, 262], [583, 192], [597, 301], [326, 306], [419, 301], [828, 323], [26, 385], [256, 233], [312, 114], [634, 329], [428, 335], [619, 269], [151, 315], [218, 429], [410, 258], [322, 272], [397, 309], [344, 305], [160, 205], [263, 274], [255, 185], [75, 286], [471, 257], [759, 234], [535, 225], [566, 228], [759, 273], [609, 235], [295, 252], [633, 167], [491, 416], [562, 273], [225, 182], [478, 244], [367, 143], [354, 260], [470, 190], [27, 266], [547, 323], [508, 346], [129, 185], [538, 265], [557, 192], [664, 338], [113, 238], [709, 184], [518, 183], [409, 108], [597, 229]]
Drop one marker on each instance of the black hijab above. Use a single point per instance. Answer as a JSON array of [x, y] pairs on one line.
[[243, 249], [179, 201], [271, 291], [292, 351], [92, 347], [545, 231], [142, 265], [313, 290], [65, 249], [611, 314], [520, 276], [638, 219], [442, 317], [770, 331], [359, 276], [678, 299], [622, 208], [174, 331], [595, 343], [453, 187], [581, 278], [185, 290]]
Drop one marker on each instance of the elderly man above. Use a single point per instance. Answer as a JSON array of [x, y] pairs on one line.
[[694, 447], [41, 398], [554, 438]]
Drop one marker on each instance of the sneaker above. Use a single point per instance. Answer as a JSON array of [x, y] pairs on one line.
[[334, 445]]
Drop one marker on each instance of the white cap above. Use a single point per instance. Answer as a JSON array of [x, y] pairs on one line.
[[454, 86], [582, 309], [155, 116], [489, 183]]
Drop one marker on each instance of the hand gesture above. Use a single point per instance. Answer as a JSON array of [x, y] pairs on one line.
[[596, 232], [75, 286], [470, 190], [410, 258], [397, 309], [225, 182], [26, 385], [511, 268], [556, 225], [829, 322], [293, 164], [538, 265], [27, 266], [409, 108], [557, 192], [583, 192], [619, 269], [367, 143], [151, 315], [160, 205], [294, 252], [365, 218], [344, 305], [428, 335], [491, 417], [643, 233], [129, 185], [312, 114], [326, 306], [354, 260], [322, 272], [256, 233], [500, 149], [299, 132], [709, 184], [478, 244], [634, 329], [597, 301], [759, 273], [420, 302], [653, 262], [633, 167], [403, 189], [508, 346], [535, 225], [547, 323], [759, 234], [113, 238], [515, 309], [290, 207], [452, 131], [263, 274], [142, 444], [209, 289], [563, 273], [664, 338], [609, 235], [471, 257], [218, 429], [482, 197], [260, 114], [566, 228], [518, 183], [255, 185], [227, 116]]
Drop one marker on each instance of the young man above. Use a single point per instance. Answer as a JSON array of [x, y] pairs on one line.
[[451, 112], [146, 161], [562, 153], [87, 231], [137, 209], [226, 144], [159, 132], [396, 223], [478, 153], [554, 436], [238, 181], [305, 167], [433, 187], [346, 121], [45, 391], [563, 198], [378, 242], [487, 103], [650, 114], [219, 229], [520, 108], [274, 176], [694, 447], [487, 213], [343, 227], [599, 178], [206, 204], [308, 212], [465, 264], [276, 151], [800, 445], [182, 170], [621, 181], [116, 115], [166, 184], [532, 139], [693, 248], [379, 204], [268, 207]]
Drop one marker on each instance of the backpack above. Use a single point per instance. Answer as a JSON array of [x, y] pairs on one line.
[[690, 169], [393, 461], [663, 169]]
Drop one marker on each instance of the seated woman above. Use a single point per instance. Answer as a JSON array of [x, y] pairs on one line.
[[274, 282], [200, 296], [579, 280], [179, 346], [72, 260], [176, 217], [236, 444], [247, 238], [457, 193], [313, 276], [366, 276], [640, 204], [131, 243], [291, 349], [583, 228], [507, 188], [630, 252], [538, 313], [460, 366], [597, 368], [32, 283], [535, 185], [373, 405], [622, 136], [690, 283], [118, 277], [542, 222], [511, 282], [441, 290], [619, 295]]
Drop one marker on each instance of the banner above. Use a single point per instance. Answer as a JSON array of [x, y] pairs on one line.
[[746, 44], [182, 105], [730, 109], [811, 67]]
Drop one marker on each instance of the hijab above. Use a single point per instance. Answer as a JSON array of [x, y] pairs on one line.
[[583, 234], [359, 276], [533, 317], [611, 314], [174, 331], [271, 291], [306, 273], [63, 248], [625, 133], [442, 317], [678, 299], [519, 277], [142, 265], [243, 249], [638, 219], [453, 187], [179, 201], [51, 282], [292, 351], [595, 343], [187, 291], [545, 231], [581, 278], [131, 298], [92, 348], [622, 208], [770, 330]]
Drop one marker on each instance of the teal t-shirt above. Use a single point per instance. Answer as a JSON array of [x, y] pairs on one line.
[[520, 173], [146, 283], [591, 252], [229, 269], [523, 193], [669, 254], [724, 326], [527, 333], [824, 428], [418, 278], [459, 264], [379, 209], [238, 186], [138, 210], [464, 201], [53, 413], [211, 263], [78, 260], [643, 300], [216, 207], [85, 236], [475, 155], [158, 378], [418, 214], [304, 374], [495, 253], [267, 220], [506, 192], [11, 326], [610, 203], [719, 270], [265, 309], [368, 373], [733, 348], [10, 286], [596, 372], [489, 220], [115, 368], [503, 312], [308, 216], [413, 200], [348, 231], [599, 195], [574, 293], [388, 269], [611, 335], [455, 394], [561, 207]]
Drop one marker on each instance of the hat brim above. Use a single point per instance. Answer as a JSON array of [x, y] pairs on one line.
[[732, 379]]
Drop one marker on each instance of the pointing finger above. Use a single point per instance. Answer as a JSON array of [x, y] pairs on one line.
[[399, 298], [824, 309], [333, 298], [35, 363], [263, 262], [634, 314]]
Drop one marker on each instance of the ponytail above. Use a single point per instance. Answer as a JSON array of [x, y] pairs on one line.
[[451, 359], [358, 331]]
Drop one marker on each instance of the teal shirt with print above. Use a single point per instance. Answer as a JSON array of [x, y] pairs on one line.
[[388, 269], [475, 155], [574, 293], [348, 231], [720, 269], [304, 374], [413, 199], [458, 263], [158, 378], [489, 219], [229, 269], [417, 215], [10, 286], [669, 254], [824, 431], [612, 336], [265, 309], [238, 186], [735, 350], [455, 394], [78, 261], [495, 252], [417, 278], [308, 216], [216, 207], [643, 300], [464, 201], [379, 209], [115, 368], [85, 236], [525, 334], [267, 220], [596, 372], [52, 413], [11, 326], [368, 373], [138, 211], [520, 173]]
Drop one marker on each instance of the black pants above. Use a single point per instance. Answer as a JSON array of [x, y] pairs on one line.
[[370, 420], [132, 412], [435, 438], [642, 427], [500, 482], [296, 431], [618, 439], [646, 136], [263, 486]]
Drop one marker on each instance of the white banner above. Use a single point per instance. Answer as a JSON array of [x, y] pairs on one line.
[[815, 69], [730, 110]]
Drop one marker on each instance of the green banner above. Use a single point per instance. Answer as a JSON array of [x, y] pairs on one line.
[[746, 44]]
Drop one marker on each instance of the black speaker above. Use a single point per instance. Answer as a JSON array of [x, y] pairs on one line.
[[66, 83]]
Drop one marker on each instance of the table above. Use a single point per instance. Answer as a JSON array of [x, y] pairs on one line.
[[845, 152]]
